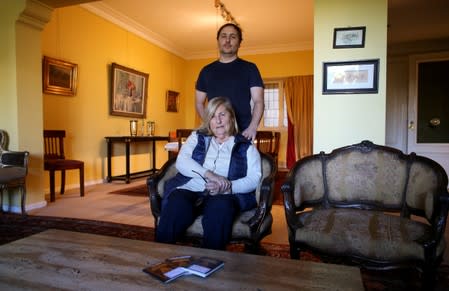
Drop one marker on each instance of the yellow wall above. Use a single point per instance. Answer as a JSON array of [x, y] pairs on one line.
[[78, 36], [346, 119], [21, 97], [8, 95]]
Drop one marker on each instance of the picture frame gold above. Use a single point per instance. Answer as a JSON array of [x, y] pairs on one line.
[[59, 77], [129, 90], [172, 101]]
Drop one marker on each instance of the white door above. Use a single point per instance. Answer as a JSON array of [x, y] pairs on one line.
[[428, 107]]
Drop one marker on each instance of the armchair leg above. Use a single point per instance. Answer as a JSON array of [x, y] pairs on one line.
[[252, 248], [294, 252], [23, 197], [1, 199]]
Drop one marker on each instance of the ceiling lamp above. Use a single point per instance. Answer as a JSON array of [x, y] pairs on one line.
[[225, 13]]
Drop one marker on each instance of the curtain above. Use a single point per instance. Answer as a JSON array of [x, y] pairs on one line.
[[299, 98]]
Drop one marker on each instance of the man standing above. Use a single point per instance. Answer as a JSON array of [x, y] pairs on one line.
[[234, 78]]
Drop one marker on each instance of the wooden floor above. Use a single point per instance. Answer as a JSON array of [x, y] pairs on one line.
[[99, 204]]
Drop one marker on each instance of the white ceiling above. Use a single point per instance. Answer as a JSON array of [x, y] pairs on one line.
[[188, 27]]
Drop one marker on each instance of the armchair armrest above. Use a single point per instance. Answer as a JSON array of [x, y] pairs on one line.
[[14, 159], [265, 201], [440, 219], [289, 204], [154, 188], [266, 190]]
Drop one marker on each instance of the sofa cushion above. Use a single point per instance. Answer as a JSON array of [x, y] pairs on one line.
[[366, 234]]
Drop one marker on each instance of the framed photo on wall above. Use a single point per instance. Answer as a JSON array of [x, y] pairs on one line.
[[128, 92], [353, 77], [59, 77], [172, 101], [349, 37]]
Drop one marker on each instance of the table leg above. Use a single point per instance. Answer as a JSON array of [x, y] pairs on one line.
[[154, 156], [127, 161], [108, 178]]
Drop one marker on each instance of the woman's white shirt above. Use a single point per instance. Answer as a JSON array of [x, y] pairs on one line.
[[217, 160]]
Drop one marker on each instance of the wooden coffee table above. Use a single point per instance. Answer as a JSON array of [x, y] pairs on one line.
[[57, 259]]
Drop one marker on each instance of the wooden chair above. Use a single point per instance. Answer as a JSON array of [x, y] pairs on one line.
[[178, 136], [250, 227], [13, 172], [181, 135], [268, 142], [54, 160]]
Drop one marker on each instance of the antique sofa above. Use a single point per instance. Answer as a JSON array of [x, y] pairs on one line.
[[369, 205], [249, 227]]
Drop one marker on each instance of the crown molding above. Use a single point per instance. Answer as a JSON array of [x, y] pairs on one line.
[[130, 25], [117, 18], [36, 14]]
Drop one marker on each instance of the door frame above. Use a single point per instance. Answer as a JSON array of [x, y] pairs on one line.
[[412, 145]]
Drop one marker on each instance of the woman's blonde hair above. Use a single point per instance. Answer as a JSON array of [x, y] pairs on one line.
[[209, 113]]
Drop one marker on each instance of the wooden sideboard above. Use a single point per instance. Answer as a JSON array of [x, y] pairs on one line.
[[128, 141]]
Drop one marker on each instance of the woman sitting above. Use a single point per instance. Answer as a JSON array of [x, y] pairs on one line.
[[218, 172]]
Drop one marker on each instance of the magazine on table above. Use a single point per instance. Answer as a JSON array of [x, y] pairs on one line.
[[172, 268]]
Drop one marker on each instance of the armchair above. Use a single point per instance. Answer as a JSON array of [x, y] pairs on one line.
[[249, 227], [371, 205], [13, 172], [3, 140]]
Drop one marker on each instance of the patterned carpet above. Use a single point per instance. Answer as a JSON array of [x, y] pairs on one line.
[[15, 226]]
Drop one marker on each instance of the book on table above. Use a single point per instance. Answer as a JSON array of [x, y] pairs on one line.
[[172, 268]]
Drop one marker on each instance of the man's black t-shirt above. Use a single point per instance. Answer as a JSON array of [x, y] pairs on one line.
[[232, 80]]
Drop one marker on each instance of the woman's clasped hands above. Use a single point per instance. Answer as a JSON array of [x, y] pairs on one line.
[[217, 184]]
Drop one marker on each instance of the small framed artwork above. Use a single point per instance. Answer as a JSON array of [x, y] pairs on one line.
[[172, 101], [59, 77], [128, 92], [349, 37], [354, 77]]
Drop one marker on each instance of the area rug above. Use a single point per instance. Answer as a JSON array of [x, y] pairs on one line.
[[139, 190], [16, 226]]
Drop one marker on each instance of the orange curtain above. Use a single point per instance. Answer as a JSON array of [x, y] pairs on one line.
[[299, 98]]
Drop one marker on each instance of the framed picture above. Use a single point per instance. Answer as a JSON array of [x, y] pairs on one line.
[[172, 101], [349, 37], [128, 92], [355, 77], [59, 77]]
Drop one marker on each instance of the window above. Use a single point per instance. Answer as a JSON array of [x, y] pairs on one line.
[[275, 113]]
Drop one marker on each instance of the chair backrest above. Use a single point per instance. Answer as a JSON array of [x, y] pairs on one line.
[[54, 144], [268, 142]]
